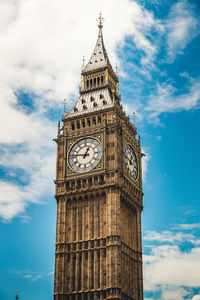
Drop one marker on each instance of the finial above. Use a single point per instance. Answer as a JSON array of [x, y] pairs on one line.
[[100, 20], [58, 127], [116, 69], [118, 87], [65, 103], [134, 116], [17, 295], [83, 62]]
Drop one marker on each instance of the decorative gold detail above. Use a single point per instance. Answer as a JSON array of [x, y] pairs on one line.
[[83, 62], [65, 103], [116, 68], [125, 142], [134, 117], [98, 197], [71, 171], [100, 20]]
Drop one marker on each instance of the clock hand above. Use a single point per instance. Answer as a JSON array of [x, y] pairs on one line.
[[86, 153], [80, 154], [129, 160]]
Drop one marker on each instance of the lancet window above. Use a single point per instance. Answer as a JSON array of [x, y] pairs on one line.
[[92, 269], [98, 209], [80, 272], [80, 222], [75, 223], [92, 225], [98, 270], [74, 272]]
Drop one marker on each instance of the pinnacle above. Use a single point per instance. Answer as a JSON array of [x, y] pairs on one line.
[[100, 20]]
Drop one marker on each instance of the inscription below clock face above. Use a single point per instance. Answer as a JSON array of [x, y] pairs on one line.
[[85, 155], [131, 162]]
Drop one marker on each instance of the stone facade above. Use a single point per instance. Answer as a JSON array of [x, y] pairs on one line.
[[98, 233]]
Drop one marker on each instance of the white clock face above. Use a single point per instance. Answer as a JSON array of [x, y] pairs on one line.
[[131, 162], [85, 155]]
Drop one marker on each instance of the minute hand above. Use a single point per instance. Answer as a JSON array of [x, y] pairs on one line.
[[130, 161]]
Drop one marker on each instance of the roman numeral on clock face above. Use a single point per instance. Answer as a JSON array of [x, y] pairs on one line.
[[131, 162], [85, 154]]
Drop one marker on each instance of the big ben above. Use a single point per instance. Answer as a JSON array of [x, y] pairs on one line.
[[98, 189]]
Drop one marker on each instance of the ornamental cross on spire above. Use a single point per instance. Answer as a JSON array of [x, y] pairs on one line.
[[83, 62], [65, 103], [134, 117], [116, 69], [100, 20]]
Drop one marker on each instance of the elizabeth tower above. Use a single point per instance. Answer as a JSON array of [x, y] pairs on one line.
[[98, 189]]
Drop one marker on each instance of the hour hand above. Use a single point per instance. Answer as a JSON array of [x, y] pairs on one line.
[[79, 155]]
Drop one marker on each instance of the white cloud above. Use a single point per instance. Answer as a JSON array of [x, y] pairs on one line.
[[15, 198], [188, 226], [42, 43], [36, 277], [171, 237], [168, 265], [145, 162], [168, 269], [196, 297], [182, 26], [28, 154], [27, 274], [165, 99], [131, 108], [171, 293]]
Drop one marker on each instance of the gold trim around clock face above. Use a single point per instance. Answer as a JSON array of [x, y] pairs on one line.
[[136, 160], [99, 165]]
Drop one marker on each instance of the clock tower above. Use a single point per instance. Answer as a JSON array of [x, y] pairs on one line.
[[98, 189]]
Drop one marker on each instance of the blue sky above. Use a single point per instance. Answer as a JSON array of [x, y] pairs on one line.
[[156, 45]]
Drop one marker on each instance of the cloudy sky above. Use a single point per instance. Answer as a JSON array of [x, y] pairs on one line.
[[156, 45]]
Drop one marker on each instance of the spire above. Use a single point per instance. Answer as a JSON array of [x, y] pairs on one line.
[[99, 83], [99, 58], [17, 295], [100, 20]]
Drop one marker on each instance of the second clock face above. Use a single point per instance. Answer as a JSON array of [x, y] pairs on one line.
[[85, 155], [131, 162]]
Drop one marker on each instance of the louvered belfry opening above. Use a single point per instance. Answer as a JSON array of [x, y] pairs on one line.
[[98, 253]]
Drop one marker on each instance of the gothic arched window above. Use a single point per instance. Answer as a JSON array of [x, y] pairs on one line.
[[94, 121]]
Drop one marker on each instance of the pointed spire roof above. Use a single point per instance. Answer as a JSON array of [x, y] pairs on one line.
[[97, 93], [99, 58]]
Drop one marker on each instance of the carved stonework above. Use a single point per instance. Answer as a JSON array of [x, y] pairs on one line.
[[98, 251]]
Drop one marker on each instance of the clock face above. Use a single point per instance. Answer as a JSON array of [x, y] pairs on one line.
[[131, 162], [85, 155]]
